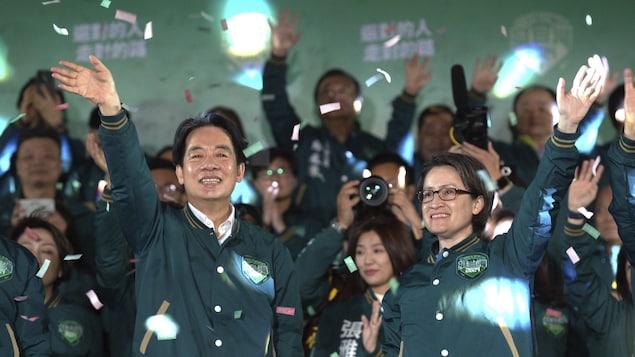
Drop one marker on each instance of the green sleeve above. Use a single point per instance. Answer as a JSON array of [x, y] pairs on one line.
[[32, 336]]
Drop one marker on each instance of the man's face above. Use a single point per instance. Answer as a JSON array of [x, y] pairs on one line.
[[38, 162], [535, 114], [337, 89], [168, 187], [210, 169], [434, 135]]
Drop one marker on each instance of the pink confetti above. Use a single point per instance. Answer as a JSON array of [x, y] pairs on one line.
[[573, 256], [554, 313], [31, 233], [295, 136], [503, 30], [330, 107], [223, 24], [391, 28], [126, 16], [61, 106], [20, 298], [94, 300], [442, 29], [188, 96], [596, 163], [133, 260], [285, 310], [32, 319]]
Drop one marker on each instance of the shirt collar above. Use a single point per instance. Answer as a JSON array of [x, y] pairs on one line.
[[224, 229]]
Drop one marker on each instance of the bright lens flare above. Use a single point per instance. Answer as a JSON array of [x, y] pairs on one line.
[[520, 68], [248, 34]]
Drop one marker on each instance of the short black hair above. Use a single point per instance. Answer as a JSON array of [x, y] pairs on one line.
[[389, 157], [620, 277], [531, 89], [156, 163], [207, 119], [263, 158], [336, 72], [29, 82], [433, 109], [94, 121], [45, 132], [230, 114]]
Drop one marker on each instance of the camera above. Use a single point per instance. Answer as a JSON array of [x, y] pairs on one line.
[[373, 191], [473, 127]]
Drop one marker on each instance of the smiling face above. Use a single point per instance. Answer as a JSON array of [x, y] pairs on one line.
[[373, 262], [42, 246], [210, 168], [450, 220]]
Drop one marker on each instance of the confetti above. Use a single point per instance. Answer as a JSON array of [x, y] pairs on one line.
[[60, 30], [94, 300], [589, 20], [252, 149], [32, 319], [61, 106], [596, 163], [31, 233], [554, 313], [401, 177], [391, 28], [147, 33], [238, 314], [20, 298], [394, 285], [73, 257], [311, 310], [43, 269], [393, 41], [295, 135], [591, 231], [188, 96], [126, 16], [207, 16], [129, 108], [334, 354], [16, 118], [386, 75], [267, 97], [350, 264], [223, 24], [51, 2], [105, 3], [504, 30], [164, 326], [330, 107], [573, 256], [585, 212], [284, 310], [372, 80], [487, 180]]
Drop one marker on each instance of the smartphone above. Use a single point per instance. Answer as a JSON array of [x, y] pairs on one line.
[[37, 206]]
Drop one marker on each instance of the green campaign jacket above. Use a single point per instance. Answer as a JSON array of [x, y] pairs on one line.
[[75, 330]]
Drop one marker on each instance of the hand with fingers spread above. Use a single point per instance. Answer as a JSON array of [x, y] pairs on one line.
[[489, 158], [585, 89], [584, 187], [417, 75], [403, 208], [98, 85], [283, 34], [629, 105], [371, 327], [486, 75]]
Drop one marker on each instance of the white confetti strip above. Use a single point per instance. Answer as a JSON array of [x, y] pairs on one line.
[[589, 20], [60, 30], [51, 2], [372, 80], [573, 256], [20, 298], [393, 41], [504, 30], [207, 16], [350, 264], [126, 16], [329, 107], [583, 211], [596, 163], [147, 33], [43, 269], [401, 177], [94, 300], [295, 136], [73, 257], [386, 75], [487, 180], [164, 326]]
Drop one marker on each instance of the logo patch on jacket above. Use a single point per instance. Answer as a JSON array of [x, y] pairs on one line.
[[555, 322], [6, 268], [255, 270], [70, 331], [472, 265]]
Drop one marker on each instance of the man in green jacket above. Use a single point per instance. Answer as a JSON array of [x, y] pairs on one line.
[[207, 283]]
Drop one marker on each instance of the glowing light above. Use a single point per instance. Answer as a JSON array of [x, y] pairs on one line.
[[619, 115], [366, 173], [589, 20], [248, 34], [520, 68], [250, 77], [163, 326], [357, 105]]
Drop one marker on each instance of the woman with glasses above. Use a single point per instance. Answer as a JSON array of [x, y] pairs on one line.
[[471, 297]]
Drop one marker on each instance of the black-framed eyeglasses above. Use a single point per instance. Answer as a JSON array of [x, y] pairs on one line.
[[446, 194]]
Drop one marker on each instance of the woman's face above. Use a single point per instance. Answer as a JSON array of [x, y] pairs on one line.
[[373, 262], [41, 244]]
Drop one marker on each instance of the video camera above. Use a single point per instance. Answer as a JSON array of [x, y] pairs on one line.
[[470, 124]]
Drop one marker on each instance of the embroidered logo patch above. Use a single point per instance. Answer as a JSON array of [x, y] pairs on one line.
[[472, 265], [255, 270], [6, 268], [70, 331], [555, 322]]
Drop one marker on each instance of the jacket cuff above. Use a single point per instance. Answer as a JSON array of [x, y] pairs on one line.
[[114, 122], [564, 140], [573, 230], [626, 145], [106, 196]]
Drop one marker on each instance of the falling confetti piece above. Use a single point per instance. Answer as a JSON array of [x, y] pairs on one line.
[[334, 354], [267, 97], [401, 177], [43, 269], [585, 212], [295, 136], [310, 310], [386, 75], [164, 326], [504, 30], [207, 16], [61, 106], [330, 107], [31, 233], [596, 163], [238, 314], [20, 298], [372, 80], [105, 3], [390, 29], [94, 300], [573, 256], [393, 41], [350, 264], [73, 257], [147, 33], [51, 2], [487, 180], [129, 108], [32, 319], [252, 149], [283, 310], [589, 20], [16, 118], [394, 285], [554, 313], [223, 24], [188, 96], [591, 231], [60, 30], [126, 16]]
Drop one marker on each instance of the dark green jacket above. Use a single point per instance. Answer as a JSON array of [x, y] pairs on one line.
[[235, 299], [473, 299], [340, 329], [75, 330], [324, 163], [19, 336]]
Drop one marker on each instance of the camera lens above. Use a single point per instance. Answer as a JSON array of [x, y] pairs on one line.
[[373, 191]]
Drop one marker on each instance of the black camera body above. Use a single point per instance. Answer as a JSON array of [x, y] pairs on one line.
[[373, 191], [470, 124]]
